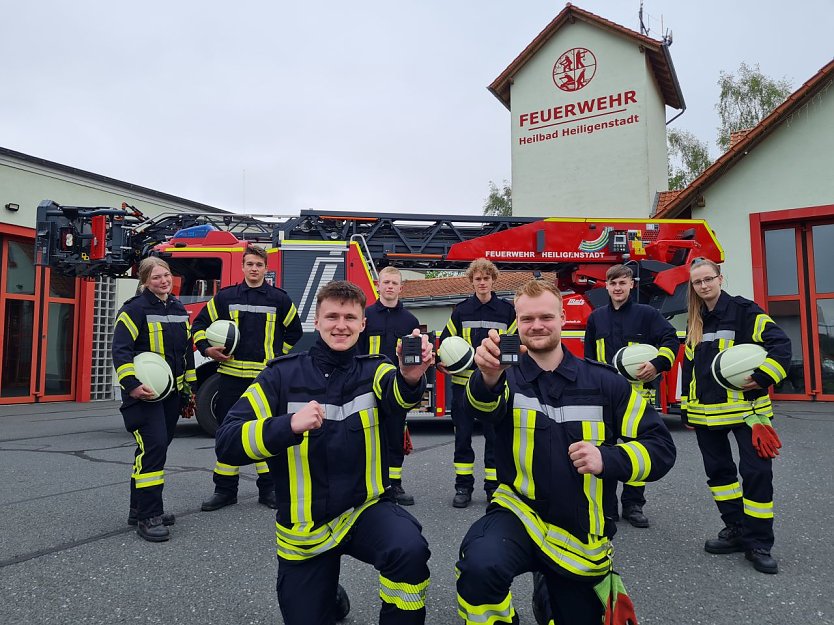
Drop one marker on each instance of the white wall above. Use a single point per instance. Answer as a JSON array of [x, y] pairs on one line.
[[792, 168], [603, 173]]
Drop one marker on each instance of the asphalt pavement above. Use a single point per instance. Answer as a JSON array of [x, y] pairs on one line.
[[68, 556]]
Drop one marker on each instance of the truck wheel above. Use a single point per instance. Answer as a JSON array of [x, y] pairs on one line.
[[206, 400]]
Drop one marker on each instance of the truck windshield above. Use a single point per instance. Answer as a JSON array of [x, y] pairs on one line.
[[199, 278]]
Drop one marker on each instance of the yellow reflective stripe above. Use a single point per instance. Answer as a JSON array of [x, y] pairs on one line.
[[200, 335], [450, 326], [285, 348], [403, 595], [146, 480], [128, 323], [490, 474], [373, 453], [261, 467], [467, 335], [726, 492], [269, 336], [395, 473], [212, 310], [257, 400], [760, 510], [302, 541], [593, 431], [380, 372], [399, 397], [464, 468], [513, 327], [601, 350], [298, 469], [759, 326], [226, 469], [774, 370], [667, 353], [634, 411], [374, 344], [137, 461], [126, 370], [292, 313], [524, 431], [591, 559], [252, 439], [462, 377], [156, 338], [490, 406], [190, 376], [488, 613], [641, 462]]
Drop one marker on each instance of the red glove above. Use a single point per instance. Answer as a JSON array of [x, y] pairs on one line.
[[408, 447], [766, 441], [188, 407]]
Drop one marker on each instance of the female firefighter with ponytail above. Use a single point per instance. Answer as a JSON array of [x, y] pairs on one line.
[[716, 322]]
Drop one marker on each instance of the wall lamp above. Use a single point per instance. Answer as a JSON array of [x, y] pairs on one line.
[[12, 207]]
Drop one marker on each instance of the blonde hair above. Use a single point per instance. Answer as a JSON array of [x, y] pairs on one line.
[[146, 267], [534, 288], [390, 269], [481, 265], [694, 319]]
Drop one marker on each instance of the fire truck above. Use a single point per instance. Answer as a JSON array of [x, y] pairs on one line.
[[306, 251]]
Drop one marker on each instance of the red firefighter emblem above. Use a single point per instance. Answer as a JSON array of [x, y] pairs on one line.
[[574, 69]]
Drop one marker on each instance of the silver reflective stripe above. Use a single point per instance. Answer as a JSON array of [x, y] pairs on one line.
[[560, 414], [721, 334], [525, 419], [497, 325], [264, 310], [490, 616], [333, 412], [167, 318], [298, 473]]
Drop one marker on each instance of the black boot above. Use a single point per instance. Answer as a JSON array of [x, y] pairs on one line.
[[762, 561], [400, 496], [635, 516], [268, 499], [168, 518], [728, 541], [342, 603], [490, 488], [217, 501], [153, 530], [463, 496]]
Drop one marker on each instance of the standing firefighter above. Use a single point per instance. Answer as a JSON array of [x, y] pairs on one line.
[[386, 322], [557, 421], [269, 326], [316, 418], [153, 321], [472, 319], [716, 322], [621, 323]]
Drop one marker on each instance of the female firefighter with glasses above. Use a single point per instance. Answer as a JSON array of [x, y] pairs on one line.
[[716, 322]]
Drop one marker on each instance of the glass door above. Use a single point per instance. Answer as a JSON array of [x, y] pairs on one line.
[[820, 238]]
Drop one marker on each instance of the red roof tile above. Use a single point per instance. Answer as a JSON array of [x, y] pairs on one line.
[[821, 80], [656, 51], [461, 286]]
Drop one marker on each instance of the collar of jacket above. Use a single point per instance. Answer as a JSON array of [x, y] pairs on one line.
[[380, 307], [720, 306], [244, 286], [493, 297], [627, 305], [152, 299], [568, 368], [328, 359]]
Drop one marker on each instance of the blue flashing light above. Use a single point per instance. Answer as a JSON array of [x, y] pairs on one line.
[[194, 232]]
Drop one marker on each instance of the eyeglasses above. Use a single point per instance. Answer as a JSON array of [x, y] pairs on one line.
[[705, 281]]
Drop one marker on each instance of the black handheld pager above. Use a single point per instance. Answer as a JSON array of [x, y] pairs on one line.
[[412, 349], [510, 347]]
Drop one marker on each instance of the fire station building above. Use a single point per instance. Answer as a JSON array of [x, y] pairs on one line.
[[46, 317]]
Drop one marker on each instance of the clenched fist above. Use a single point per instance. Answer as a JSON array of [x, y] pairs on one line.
[[308, 418], [586, 457]]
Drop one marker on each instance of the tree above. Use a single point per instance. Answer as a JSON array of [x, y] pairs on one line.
[[688, 158], [746, 100], [499, 202]]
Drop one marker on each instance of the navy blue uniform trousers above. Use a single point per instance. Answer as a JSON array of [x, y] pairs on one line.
[[497, 549], [464, 425], [152, 424], [385, 536]]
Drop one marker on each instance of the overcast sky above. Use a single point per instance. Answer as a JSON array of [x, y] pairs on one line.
[[373, 105]]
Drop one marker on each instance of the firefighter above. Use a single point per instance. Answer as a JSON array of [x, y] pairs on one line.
[[557, 420], [386, 321], [472, 319], [717, 321], [153, 321], [269, 326], [625, 322], [316, 418]]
